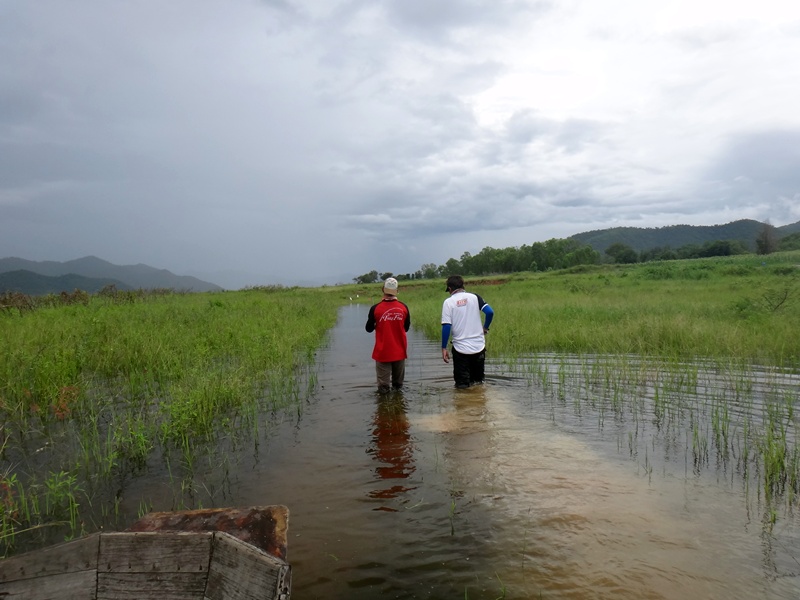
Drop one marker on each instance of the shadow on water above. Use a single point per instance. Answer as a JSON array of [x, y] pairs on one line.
[[496, 492]]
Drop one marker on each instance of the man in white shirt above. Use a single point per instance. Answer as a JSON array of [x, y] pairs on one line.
[[461, 318]]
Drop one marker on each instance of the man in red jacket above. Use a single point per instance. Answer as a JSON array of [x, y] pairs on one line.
[[390, 320]]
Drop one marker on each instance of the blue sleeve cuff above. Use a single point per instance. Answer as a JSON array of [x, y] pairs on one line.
[[445, 334], [487, 310]]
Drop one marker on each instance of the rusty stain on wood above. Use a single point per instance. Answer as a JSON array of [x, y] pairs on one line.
[[264, 527]]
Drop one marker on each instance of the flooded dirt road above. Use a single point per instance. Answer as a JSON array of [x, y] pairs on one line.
[[486, 493]]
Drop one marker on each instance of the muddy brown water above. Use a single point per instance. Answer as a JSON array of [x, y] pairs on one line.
[[487, 493]]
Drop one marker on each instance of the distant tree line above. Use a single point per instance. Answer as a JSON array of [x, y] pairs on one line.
[[539, 256], [624, 254], [789, 242], [564, 253]]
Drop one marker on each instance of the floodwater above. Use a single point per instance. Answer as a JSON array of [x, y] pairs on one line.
[[497, 492]]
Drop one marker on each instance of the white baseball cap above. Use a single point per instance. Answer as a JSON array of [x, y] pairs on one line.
[[390, 286]]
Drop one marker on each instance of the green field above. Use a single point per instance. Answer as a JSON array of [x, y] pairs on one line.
[[744, 308], [92, 390]]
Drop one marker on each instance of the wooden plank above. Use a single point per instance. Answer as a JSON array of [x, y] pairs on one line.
[[69, 557], [241, 572], [77, 585], [161, 561], [150, 586], [264, 527], [154, 552]]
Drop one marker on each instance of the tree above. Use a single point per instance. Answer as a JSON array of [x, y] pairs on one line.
[[466, 264], [658, 253], [722, 248], [452, 267], [767, 239], [622, 253], [371, 277], [790, 242], [429, 271], [585, 255], [385, 276], [689, 251]]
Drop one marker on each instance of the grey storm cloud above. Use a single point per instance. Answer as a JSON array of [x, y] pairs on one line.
[[440, 20], [259, 141], [761, 168], [766, 158]]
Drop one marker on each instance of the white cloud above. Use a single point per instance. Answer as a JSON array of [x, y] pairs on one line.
[[294, 140]]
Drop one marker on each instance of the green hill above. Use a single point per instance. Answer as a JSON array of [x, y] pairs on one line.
[[790, 242], [34, 284], [134, 276], [676, 236]]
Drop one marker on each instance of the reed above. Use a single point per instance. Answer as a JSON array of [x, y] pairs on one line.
[[625, 340], [726, 307], [90, 391]]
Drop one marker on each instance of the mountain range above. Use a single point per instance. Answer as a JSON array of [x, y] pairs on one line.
[[676, 236], [90, 274]]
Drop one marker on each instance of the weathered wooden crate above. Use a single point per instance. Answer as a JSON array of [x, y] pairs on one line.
[[144, 565]]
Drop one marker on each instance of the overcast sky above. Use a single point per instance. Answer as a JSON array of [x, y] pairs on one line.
[[310, 141]]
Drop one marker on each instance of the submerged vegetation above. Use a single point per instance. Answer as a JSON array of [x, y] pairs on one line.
[[705, 347], [726, 416], [95, 389]]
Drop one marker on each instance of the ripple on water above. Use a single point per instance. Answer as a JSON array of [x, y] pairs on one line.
[[509, 489]]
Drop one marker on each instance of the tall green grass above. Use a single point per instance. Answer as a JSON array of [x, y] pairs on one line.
[[92, 392], [617, 339], [733, 307], [89, 391]]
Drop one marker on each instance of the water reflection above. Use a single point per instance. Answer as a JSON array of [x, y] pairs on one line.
[[391, 447], [468, 440], [521, 488]]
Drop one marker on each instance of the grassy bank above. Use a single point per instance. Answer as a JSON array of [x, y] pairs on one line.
[[616, 339], [92, 391], [89, 391], [744, 308]]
